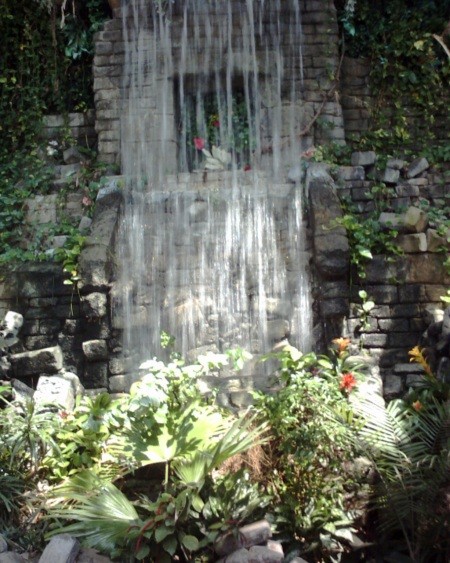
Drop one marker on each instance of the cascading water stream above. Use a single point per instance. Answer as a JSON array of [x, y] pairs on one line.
[[215, 257]]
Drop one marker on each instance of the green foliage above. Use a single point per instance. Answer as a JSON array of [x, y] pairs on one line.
[[45, 67], [165, 422], [309, 449], [365, 233], [409, 444], [410, 70]]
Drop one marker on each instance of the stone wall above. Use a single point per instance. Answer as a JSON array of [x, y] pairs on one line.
[[80, 127], [358, 101], [318, 46], [406, 289]]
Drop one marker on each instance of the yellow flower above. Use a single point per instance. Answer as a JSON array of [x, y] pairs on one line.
[[417, 356]]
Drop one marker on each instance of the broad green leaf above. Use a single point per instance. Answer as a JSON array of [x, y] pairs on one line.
[[190, 543]]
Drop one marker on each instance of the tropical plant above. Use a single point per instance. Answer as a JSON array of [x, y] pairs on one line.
[[409, 444], [309, 449], [164, 422]]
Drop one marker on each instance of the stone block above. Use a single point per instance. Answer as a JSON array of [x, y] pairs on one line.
[[54, 390], [347, 173], [247, 536], [415, 220], [95, 350], [436, 242], [40, 209], [407, 190], [389, 176], [364, 158], [390, 220], [120, 383], [94, 305], [395, 163], [96, 375], [62, 548], [413, 243], [393, 385], [416, 167], [47, 360]]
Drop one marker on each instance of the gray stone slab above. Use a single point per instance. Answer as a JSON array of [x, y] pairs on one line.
[[61, 549]]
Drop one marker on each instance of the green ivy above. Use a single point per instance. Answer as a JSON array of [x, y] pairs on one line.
[[409, 69]]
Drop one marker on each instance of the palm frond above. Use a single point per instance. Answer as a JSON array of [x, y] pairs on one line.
[[100, 513]]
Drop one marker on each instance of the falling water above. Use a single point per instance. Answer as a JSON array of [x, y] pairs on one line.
[[215, 257]]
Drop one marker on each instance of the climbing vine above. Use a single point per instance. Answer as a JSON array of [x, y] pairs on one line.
[[45, 64], [406, 42]]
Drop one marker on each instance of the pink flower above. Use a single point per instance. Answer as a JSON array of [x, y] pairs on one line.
[[216, 123], [86, 201], [348, 381], [199, 143]]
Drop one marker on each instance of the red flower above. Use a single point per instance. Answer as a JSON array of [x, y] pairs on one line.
[[199, 143], [216, 123], [417, 406], [348, 381], [247, 167]]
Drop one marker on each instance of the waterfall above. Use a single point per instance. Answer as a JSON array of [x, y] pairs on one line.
[[213, 240]]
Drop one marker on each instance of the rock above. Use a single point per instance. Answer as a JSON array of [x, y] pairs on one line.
[[416, 167], [389, 176], [393, 385], [9, 329], [95, 350], [91, 556], [54, 390], [72, 155], [435, 241], [3, 544], [347, 173], [85, 224], [262, 554], [277, 329], [95, 264], [239, 556], [93, 305], [47, 360], [252, 534], [298, 560], [21, 391], [112, 186], [74, 380], [395, 163], [296, 174], [364, 158], [11, 557], [416, 242], [330, 240], [415, 220], [389, 220], [446, 322], [61, 549], [443, 370]]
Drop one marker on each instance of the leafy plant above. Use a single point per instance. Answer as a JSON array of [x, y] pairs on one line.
[[408, 443], [309, 449], [165, 423]]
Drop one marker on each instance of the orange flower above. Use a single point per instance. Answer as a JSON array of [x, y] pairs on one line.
[[342, 343], [417, 406], [348, 381]]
